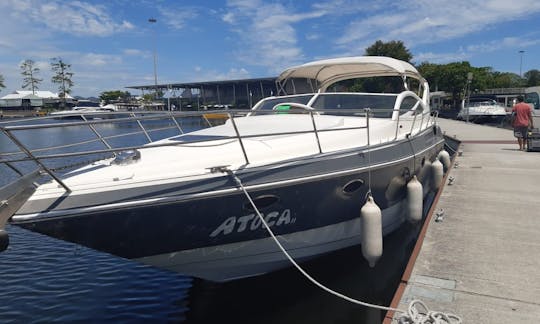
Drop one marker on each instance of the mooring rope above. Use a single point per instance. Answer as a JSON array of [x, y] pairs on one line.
[[411, 316], [425, 316]]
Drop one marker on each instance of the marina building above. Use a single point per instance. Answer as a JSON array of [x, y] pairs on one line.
[[28, 100], [239, 94], [244, 93]]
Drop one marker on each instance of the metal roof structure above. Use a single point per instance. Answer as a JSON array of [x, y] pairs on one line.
[[200, 84], [241, 93], [38, 94]]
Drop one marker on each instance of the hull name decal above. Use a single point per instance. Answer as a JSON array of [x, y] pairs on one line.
[[252, 222]]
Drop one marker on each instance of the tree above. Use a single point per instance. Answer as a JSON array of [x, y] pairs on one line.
[[395, 49], [2, 81], [505, 80], [62, 76], [451, 77], [149, 97], [110, 96], [29, 72], [532, 77]]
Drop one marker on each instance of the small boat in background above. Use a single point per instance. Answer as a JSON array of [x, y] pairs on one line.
[[482, 109], [88, 109]]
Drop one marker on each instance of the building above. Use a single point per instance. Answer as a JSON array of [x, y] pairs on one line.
[[214, 94], [28, 100]]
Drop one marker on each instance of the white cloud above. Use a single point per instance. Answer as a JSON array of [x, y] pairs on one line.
[[213, 75], [178, 18], [40, 30], [136, 52], [93, 60], [441, 58], [75, 17], [431, 21], [229, 18], [504, 43], [267, 33]]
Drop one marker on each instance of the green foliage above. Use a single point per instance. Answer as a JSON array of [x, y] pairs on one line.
[[395, 49], [62, 76], [452, 78], [148, 97], [29, 72], [377, 84], [2, 81], [505, 80], [532, 77], [152, 96], [115, 95]]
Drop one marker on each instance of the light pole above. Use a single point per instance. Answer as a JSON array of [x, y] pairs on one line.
[[520, 62], [152, 21], [468, 94]]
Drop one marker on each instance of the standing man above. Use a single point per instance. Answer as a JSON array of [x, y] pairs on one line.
[[522, 120]]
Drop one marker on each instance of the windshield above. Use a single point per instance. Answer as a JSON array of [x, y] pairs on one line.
[[381, 105], [533, 98], [269, 103]]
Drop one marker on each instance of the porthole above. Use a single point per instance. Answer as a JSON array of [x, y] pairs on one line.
[[352, 186]]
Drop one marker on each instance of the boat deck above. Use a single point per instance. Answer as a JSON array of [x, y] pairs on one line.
[[480, 260]]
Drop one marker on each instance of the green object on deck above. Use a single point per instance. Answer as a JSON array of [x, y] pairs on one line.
[[283, 109]]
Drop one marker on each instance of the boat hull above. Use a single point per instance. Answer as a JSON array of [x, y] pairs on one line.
[[261, 256], [215, 233], [484, 118]]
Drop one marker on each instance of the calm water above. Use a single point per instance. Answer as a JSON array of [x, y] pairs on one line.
[[43, 279]]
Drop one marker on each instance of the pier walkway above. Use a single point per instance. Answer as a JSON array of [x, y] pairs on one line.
[[481, 259]]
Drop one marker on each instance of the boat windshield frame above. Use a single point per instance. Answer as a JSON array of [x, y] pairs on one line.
[[382, 105]]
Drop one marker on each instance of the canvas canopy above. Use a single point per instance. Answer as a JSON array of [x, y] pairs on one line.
[[326, 72]]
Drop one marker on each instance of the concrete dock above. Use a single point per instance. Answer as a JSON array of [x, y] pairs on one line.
[[480, 258]]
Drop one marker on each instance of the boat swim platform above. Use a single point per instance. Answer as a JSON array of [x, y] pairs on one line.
[[478, 255]]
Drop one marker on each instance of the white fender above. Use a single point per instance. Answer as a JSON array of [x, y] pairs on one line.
[[372, 240], [444, 157], [415, 201], [395, 187], [438, 172], [424, 175]]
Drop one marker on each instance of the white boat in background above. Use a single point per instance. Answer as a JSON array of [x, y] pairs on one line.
[[307, 159], [88, 109], [482, 109]]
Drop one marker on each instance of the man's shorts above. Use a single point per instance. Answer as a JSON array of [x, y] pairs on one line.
[[521, 131]]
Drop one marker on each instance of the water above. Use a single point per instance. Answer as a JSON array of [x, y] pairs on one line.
[[44, 279]]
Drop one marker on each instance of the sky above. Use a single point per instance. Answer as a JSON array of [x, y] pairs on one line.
[[111, 44]]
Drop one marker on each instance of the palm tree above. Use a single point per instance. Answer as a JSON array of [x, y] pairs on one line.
[[2, 81], [62, 77], [29, 72]]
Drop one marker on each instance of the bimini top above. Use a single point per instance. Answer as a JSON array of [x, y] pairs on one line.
[[326, 72]]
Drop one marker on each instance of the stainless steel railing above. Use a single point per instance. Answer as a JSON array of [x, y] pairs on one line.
[[35, 154]]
